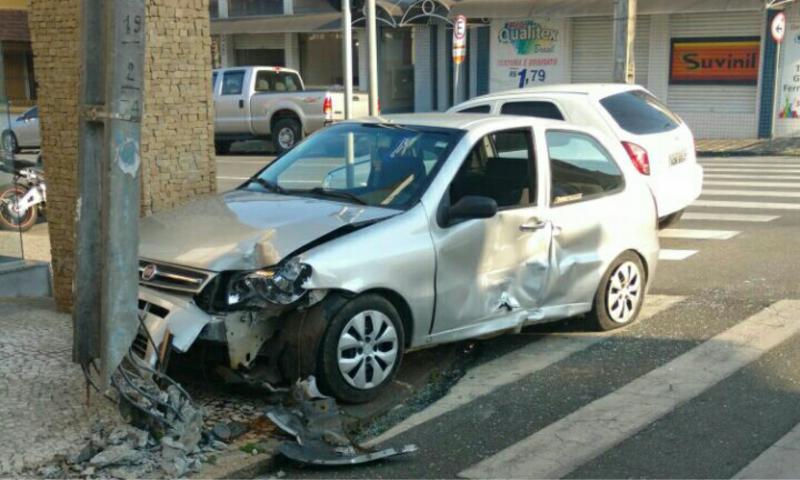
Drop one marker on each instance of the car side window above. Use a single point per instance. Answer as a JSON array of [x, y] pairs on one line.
[[498, 167], [232, 82], [580, 168], [539, 109], [476, 109]]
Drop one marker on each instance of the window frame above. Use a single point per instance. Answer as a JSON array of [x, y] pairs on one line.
[[222, 83], [533, 179], [597, 196], [533, 100]]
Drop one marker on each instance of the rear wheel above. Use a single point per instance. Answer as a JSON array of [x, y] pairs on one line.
[[9, 142], [361, 349], [620, 296], [286, 133], [10, 216], [669, 220]]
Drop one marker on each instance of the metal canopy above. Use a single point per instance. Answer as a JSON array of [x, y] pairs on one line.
[[422, 12], [580, 8], [386, 13]]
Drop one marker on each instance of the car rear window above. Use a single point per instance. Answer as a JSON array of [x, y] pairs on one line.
[[477, 109], [538, 109], [640, 113]]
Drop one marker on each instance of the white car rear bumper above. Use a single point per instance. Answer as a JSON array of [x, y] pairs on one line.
[[676, 188]]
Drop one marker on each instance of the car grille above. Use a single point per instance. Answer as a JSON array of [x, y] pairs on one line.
[[170, 277], [142, 340]]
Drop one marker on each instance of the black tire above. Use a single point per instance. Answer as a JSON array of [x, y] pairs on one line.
[[222, 147], [286, 133], [669, 220], [9, 221], [600, 316], [9, 143], [330, 377]]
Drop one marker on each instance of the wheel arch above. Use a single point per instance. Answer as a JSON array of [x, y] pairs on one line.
[[401, 305], [285, 113]]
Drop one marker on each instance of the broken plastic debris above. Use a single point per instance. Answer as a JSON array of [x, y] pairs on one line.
[[320, 439]]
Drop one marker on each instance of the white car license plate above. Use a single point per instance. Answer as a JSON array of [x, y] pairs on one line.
[[676, 158]]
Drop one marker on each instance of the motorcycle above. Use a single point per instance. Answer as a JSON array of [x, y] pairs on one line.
[[23, 201]]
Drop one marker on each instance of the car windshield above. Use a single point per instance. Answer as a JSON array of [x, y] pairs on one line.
[[373, 164]]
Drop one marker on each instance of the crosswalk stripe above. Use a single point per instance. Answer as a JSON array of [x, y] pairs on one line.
[[752, 165], [735, 204], [781, 460], [751, 177], [559, 448], [699, 234], [733, 183], [670, 254], [511, 367], [728, 217], [746, 170], [750, 193]]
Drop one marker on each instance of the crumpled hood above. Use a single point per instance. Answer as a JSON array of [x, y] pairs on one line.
[[243, 230]]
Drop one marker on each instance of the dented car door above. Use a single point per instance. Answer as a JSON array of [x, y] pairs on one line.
[[490, 271]]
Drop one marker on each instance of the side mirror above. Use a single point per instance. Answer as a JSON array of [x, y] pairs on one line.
[[471, 207]]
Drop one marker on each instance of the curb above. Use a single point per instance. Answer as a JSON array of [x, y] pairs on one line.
[[234, 463]]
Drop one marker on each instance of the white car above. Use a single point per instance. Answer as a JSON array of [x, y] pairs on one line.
[[658, 143], [22, 132]]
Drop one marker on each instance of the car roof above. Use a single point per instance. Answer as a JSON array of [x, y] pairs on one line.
[[260, 67], [591, 89], [459, 121]]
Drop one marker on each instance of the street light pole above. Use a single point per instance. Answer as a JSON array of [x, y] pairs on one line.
[[624, 33], [347, 61], [372, 40]]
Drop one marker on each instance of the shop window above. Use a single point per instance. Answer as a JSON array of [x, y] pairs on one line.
[[263, 57], [321, 59]]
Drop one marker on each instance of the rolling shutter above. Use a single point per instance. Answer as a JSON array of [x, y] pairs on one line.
[[716, 111], [592, 50]]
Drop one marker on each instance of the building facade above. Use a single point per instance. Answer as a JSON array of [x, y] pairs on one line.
[[17, 81], [713, 61]]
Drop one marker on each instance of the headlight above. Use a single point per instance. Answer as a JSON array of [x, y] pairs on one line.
[[282, 286]]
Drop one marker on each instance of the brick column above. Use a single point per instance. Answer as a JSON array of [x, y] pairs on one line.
[[177, 130]]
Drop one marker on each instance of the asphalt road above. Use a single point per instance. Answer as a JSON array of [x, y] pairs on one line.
[[706, 385]]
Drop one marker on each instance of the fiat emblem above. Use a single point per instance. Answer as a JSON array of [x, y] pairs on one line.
[[149, 272]]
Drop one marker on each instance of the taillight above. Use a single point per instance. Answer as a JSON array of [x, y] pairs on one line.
[[638, 156], [327, 106]]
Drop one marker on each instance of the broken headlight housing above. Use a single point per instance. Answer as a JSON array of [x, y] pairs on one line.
[[280, 286]]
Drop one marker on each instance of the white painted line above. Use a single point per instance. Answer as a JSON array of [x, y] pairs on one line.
[[751, 177], [749, 193], [561, 447], [669, 254], [728, 217], [232, 178], [733, 183], [781, 460], [510, 368], [735, 204], [752, 165], [697, 234], [750, 170]]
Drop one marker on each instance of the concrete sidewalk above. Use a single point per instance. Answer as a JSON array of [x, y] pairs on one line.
[[749, 147], [43, 408]]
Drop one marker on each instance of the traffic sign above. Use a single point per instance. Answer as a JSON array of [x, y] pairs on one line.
[[778, 27], [460, 39]]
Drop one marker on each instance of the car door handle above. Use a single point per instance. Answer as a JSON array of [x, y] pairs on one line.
[[241, 103], [533, 225]]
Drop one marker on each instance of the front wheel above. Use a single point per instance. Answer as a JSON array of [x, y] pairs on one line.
[[361, 349], [620, 296], [286, 133], [9, 141], [11, 218]]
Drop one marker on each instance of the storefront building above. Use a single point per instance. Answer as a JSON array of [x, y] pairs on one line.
[[17, 83], [712, 61]]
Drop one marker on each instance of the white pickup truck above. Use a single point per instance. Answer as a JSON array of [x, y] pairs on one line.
[[273, 103]]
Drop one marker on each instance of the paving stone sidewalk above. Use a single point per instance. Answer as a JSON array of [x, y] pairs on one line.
[[42, 393]]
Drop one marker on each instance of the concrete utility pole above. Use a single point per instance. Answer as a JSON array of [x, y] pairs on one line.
[[624, 35], [347, 59], [372, 40], [106, 283]]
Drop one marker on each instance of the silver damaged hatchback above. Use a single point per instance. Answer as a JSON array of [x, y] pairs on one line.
[[373, 238]]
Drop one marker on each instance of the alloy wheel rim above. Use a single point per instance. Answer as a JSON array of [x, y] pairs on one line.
[[624, 292], [9, 208], [286, 137], [367, 349]]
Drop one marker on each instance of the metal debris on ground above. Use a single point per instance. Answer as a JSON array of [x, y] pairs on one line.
[[315, 423]]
